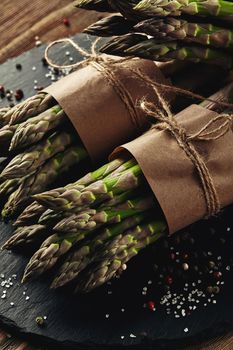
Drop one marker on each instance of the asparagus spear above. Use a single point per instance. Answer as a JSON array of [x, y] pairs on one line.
[[151, 49], [29, 108], [168, 29], [111, 169], [161, 8], [94, 218], [78, 260], [118, 45], [96, 5], [111, 259], [100, 173], [50, 215], [36, 211], [30, 215], [34, 129], [25, 236], [9, 186], [39, 181], [30, 160], [6, 134], [109, 26], [99, 191], [50, 251], [126, 8], [58, 244]]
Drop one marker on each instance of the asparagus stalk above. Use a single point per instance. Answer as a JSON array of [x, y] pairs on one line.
[[96, 5], [95, 218], [108, 170], [30, 215], [79, 259], [169, 29], [59, 244], [161, 8], [118, 45], [109, 26], [36, 211], [100, 173], [30, 160], [151, 49], [39, 181], [29, 108], [34, 129], [9, 186], [111, 259], [94, 194], [25, 236], [126, 8], [50, 215], [48, 254], [6, 134]]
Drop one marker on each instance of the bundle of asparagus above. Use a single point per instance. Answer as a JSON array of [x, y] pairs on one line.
[[98, 223], [158, 30], [37, 152]]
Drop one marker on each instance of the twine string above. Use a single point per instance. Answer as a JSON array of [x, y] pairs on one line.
[[103, 64], [208, 132]]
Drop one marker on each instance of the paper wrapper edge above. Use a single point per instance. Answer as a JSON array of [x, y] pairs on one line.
[[95, 109]]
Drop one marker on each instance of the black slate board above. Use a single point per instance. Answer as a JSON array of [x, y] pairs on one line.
[[80, 321]]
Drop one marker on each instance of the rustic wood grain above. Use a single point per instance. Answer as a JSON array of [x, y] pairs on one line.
[[20, 22]]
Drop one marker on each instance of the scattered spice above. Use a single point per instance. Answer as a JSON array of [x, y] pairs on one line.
[[40, 321], [19, 94], [66, 22], [18, 66]]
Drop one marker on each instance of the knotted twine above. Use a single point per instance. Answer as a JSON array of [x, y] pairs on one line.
[[103, 64], [162, 114], [213, 130]]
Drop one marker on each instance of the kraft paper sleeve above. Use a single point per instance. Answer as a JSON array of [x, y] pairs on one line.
[[96, 110], [172, 175]]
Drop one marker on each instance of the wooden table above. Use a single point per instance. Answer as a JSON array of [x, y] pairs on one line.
[[21, 22]]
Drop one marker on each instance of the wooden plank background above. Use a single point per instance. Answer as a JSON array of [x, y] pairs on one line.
[[20, 22]]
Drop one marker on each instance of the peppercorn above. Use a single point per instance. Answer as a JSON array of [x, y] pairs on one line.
[[66, 22], [44, 61], [19, 94], [18, 66]]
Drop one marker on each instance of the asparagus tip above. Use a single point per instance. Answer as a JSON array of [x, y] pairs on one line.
[[54, 284], [59, 281], [29, 274], [6, 245]]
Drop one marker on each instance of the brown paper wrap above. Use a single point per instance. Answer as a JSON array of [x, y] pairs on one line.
[[172, 175], [96, 110]]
